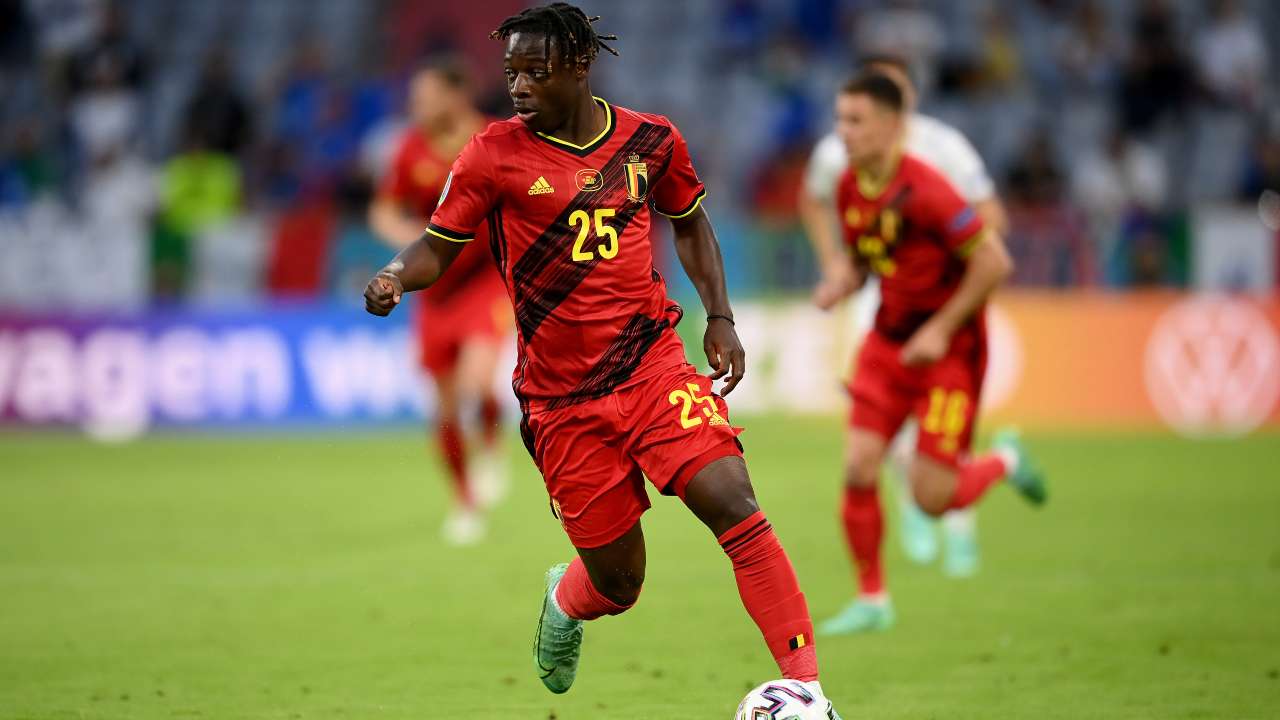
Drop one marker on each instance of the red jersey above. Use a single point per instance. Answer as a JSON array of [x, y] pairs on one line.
[[415, 180], [915, 232], [569, 229]]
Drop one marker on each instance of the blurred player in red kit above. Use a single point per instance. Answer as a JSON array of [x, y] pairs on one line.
[[568, 188], [926, 355], [463, 321]]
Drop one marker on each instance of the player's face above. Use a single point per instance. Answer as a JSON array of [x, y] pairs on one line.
[[868, 129], [543, 90], [431, 99]]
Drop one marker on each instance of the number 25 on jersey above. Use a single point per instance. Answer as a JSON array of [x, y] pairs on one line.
[[582, 222]]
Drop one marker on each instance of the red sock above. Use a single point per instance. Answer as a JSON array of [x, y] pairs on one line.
[[490, 419], [455, 457], [579, 599], [864, 529], [976, 476], [771, 594]]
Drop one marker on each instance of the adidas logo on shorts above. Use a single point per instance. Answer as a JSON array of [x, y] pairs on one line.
[[541, 187]]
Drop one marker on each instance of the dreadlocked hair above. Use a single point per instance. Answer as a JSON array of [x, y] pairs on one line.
[[571, 28]]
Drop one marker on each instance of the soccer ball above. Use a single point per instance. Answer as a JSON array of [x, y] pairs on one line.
[[785, 700]]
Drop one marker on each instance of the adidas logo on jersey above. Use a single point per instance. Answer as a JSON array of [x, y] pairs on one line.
[[541, 187]]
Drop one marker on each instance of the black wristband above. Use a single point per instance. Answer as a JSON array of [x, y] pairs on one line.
[[726, 318]]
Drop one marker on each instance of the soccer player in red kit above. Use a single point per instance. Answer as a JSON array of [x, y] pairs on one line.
[[464, 321], [568, 188], [926, 355]]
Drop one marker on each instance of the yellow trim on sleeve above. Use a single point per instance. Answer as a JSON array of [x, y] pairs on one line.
[[696, 204], [450, 239], [972, 243], [608, 125]]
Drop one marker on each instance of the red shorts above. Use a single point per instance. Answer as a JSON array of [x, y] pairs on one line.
[[595, 455], [943, 396], [482, 312]]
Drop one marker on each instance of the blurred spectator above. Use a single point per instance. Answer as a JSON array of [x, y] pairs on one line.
[[1263, 172], [109, 52], [199, 188], [1087, 50], [26, 168], [1047, 236], [904, 29], [64, 26], [217, 111], [119, 199], [16, 36], [1117, 186], [1157, 80], [1232, 56], [1001, 65], [105, 79]]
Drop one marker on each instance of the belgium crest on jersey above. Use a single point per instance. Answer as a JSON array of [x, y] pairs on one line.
[[637, 179]]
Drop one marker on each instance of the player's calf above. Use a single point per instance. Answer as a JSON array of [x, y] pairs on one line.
[[720, 493]]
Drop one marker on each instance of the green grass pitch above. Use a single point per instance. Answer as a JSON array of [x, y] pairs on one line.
[[301, 577]]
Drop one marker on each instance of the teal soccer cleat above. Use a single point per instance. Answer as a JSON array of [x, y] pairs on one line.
[[1026, 478], [559, 639], [859, 616]]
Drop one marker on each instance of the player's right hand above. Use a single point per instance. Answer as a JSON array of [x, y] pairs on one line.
[[382, 294]]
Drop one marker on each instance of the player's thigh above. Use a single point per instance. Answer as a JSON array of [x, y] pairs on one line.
[[595, 489], [447, 398], [865, 451], [477, 363], [946, 411], [677, 426], [617, 568], [933, 484], [882, 396]]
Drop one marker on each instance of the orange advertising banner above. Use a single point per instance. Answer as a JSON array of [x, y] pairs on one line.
[[1199, 364]]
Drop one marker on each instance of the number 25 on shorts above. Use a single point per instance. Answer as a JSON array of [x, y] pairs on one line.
[[688, 400], [948, 414], [581, 221]]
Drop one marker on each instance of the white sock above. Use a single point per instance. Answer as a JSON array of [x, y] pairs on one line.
[[1010, 458], [879, 599]]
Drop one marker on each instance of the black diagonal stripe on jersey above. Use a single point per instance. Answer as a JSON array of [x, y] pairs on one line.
[[618, 362], [546, 273], [498, 241]]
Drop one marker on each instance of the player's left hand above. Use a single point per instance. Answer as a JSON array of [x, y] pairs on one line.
[[927, 346], [724, 353]]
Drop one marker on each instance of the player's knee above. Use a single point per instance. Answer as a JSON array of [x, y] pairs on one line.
[[861, 473], [931, 497], [622, 588], [721, 494]]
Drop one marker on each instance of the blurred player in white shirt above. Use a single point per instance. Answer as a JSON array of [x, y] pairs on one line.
[[949, 152]]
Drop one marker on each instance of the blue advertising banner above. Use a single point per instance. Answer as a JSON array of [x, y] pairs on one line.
[[124, 374]]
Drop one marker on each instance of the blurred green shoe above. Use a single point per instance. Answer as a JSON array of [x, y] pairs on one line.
[[859, 616], [1026, 477], [559, 640]]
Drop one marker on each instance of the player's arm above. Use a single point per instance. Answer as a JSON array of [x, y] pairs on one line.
[[416, 267], [819, 216], [699, 254], [988, 266], [993, 215], [469, 194], [389, 221]]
